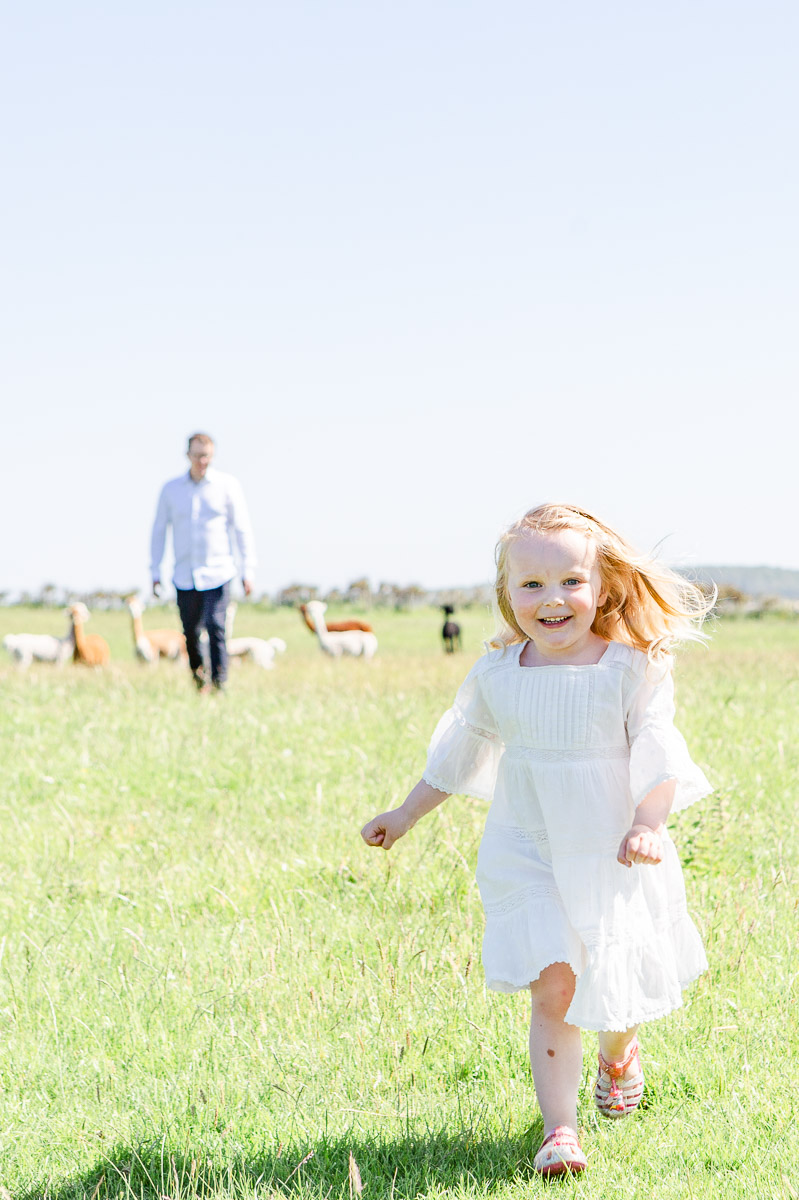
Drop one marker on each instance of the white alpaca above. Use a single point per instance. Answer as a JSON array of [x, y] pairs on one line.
[[261, 651], [26, 648], [347, 641]]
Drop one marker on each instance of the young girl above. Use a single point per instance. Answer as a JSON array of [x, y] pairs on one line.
[[567, 728]]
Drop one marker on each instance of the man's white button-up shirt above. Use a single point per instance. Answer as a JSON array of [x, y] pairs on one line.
[[210, 524]]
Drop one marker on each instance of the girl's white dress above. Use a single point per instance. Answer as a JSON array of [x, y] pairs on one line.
[[565, 754]]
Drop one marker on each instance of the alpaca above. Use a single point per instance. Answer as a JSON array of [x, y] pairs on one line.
[[335, 626], [451, 633], [261, 651], [26, 648], [356, 642], [90, 649], [152, 644]]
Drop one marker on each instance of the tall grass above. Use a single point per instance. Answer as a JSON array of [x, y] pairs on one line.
[[210, 987]]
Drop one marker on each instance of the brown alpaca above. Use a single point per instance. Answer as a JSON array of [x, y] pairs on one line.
[[335, 626], [90, 649], [152, 644]]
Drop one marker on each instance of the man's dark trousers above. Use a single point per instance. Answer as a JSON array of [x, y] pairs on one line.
[[205, 609]]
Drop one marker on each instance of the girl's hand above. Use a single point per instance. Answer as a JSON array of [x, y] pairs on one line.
[[386, 829], [642, 845]]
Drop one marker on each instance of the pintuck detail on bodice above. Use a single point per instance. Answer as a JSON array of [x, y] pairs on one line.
[[565, 754], [621, 707], [553, 709]]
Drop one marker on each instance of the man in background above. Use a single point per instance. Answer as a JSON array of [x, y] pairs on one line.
[[210, 525]]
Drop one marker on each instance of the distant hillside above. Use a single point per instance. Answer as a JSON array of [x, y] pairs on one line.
[[754, 581]]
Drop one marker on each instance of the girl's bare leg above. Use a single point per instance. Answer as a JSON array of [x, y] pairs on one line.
[[614, 1047], [556, 1055], [620, 1083]]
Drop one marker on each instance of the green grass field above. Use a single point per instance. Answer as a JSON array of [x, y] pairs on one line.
[[210, 987]]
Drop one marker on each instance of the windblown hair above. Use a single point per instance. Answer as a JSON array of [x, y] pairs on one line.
[[647, 605]]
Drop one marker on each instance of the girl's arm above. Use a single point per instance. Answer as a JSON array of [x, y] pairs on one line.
[[643, 843], [386, 829]]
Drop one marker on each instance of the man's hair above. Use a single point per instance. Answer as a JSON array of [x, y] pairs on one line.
[[204, 439]]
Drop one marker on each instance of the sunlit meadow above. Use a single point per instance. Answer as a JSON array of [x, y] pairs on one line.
[[210, 987]]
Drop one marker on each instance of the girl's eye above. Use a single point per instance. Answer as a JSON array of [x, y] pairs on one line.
[[531, 584], [573, 582]]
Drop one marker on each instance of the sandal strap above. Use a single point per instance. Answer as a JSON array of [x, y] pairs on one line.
[[561, 1133], [559, 1153], [616, 1069]]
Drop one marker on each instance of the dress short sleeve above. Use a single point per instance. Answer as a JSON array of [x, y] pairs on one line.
[[657, 749], [466, 748]]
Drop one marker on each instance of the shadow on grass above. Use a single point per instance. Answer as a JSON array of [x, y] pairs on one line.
[[399, 1168]]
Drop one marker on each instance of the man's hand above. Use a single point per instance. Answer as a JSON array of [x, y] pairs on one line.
[[642, 845], [247, 585], [156, 587]]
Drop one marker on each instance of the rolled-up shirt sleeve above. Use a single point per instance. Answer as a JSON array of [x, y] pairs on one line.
[[658, 751], [466, 748]]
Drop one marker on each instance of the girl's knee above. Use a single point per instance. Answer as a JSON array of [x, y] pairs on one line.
[[553, 991]]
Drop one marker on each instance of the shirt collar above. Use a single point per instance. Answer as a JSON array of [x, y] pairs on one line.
[[209, 477]]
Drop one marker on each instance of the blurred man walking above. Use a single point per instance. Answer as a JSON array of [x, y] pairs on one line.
[[210, 528]]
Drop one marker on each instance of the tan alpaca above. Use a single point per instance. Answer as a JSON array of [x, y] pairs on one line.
[[152, 644], [90, 649]]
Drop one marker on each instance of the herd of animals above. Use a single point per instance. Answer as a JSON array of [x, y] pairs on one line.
[[351, 637]]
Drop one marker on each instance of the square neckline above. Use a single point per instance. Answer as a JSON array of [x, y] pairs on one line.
[[564, 666]]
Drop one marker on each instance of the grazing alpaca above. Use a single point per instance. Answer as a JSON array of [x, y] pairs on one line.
[[356, 642], [334, 626], [451, 633], [90, 649], [26, 648], [261, 651], [152, 644]]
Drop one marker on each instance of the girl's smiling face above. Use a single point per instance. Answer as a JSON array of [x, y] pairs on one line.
[[554, 589]]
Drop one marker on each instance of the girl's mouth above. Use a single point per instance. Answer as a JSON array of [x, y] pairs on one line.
[[553, 622]]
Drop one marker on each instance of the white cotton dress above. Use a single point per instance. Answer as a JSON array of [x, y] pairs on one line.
[[565, 754]]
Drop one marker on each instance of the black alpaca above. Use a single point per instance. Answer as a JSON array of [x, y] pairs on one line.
[[451, 633]]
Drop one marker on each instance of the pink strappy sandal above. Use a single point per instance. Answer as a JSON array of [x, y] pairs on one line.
[[560, 1152], [613, 1096]]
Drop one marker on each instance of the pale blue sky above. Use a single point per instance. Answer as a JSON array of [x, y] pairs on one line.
[[415, 266]]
